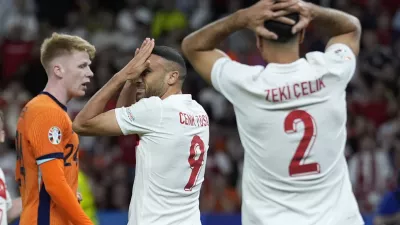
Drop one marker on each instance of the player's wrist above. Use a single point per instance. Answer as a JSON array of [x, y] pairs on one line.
[[120, 78], [241, 18]]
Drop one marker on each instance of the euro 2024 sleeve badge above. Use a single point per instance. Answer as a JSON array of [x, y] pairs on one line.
[[55, 135]]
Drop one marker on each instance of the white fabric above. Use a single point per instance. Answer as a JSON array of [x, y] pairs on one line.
[[167, 129], [5, 204], [264, 99]]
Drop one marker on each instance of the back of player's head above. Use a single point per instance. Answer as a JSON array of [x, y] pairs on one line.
[[59, 44], [174, 57], [284, 31]]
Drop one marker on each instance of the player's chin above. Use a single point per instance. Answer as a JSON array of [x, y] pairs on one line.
[[79, 93]]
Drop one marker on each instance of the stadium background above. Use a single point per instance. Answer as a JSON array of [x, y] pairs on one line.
[[117, 27]]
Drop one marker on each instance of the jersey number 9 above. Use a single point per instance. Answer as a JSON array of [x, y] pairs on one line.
[[196, 151]]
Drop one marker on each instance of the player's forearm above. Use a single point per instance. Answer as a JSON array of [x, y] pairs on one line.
[[95, 106], [62, 195], [334, 22], [127, 97], [208, 37]]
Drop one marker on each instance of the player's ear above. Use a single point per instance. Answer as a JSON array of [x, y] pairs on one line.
[[172, 77], [58, 70]]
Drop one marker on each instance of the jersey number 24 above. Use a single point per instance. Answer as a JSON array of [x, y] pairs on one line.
[[297, 165]]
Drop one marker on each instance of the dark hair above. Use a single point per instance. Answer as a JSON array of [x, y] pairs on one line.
[[173, 55], [284, 31]]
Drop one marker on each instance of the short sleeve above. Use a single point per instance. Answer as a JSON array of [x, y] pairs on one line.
[[229, 77], [341, 61], [46, 133], [140, 118]]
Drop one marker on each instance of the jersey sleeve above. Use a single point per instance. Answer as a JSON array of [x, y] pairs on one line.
[[337, 60], [342, 61], [46, 133], [230, 77], [55, 185], [140, 118]]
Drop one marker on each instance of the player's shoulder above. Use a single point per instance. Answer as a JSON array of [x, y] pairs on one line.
[[41, 104], [336, 53], [44, 110], [232, 66], [151, 102]]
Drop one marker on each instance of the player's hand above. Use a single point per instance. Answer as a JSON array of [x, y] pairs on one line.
[[79, 197], [255, 16], [140, 62], [284, 7]]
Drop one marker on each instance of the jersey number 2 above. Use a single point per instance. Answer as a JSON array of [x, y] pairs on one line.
[[196, 151], [297, 166]]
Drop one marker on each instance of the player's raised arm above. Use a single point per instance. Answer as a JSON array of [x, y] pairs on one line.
[[340, 27], [91, 120], [127, 96], [200, 46], [49, 155]]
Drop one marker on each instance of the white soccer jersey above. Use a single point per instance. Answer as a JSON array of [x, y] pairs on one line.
[[5, 199], [170, 159], [292, 123]]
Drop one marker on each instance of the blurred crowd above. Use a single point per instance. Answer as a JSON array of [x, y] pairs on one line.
[[117, 27]]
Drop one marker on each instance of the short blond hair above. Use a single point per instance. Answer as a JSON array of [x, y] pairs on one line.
[[59, 44]]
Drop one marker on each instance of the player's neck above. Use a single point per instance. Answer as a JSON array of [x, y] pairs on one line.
[[171, 91], [280, 54], [58, 92]]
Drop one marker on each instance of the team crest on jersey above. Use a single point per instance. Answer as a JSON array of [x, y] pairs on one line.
[[2, 189], [55, 135]]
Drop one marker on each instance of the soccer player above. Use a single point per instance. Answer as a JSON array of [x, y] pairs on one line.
[[47, 148], [9, 209], [291, 114], [173, 132]]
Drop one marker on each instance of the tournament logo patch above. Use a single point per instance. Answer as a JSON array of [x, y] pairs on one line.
[[55, 135], [130, 115], [2, 189], [343, 54]]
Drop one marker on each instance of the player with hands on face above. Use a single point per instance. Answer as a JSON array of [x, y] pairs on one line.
[[173, 130]]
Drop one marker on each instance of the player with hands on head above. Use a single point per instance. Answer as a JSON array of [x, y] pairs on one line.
[[173, 130], [291, 114]]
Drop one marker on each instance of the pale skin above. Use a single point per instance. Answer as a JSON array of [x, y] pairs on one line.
[[68, 76], [200, 47]]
